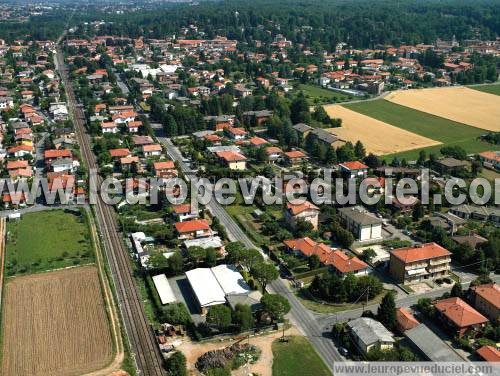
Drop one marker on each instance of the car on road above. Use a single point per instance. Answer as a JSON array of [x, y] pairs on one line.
[[343, 351]]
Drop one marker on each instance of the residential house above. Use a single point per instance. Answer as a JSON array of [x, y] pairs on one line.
[[109, 127], [480, 213], [405, 320], [232, 159], [459, 317], [184, 212], [273, 153], [414, 264], [490, 159], [450, 166], [489, 354], [294, 157], [368, 334], [362, 224], [152, 150], [256, 118], [237, 134], [302, 212], [20, 151], [486, 299], [196, 228], [116, 154], [354, 169], [164, 169]]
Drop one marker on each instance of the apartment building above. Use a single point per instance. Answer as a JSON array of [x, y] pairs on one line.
[[414, 264]]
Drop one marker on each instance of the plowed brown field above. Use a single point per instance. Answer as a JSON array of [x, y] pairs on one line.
[[57, 324]]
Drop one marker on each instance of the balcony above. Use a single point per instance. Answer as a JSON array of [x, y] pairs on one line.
[[419, 265], [438, 269], [439, 261]]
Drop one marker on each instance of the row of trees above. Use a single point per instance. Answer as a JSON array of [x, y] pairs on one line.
[[332, 288]]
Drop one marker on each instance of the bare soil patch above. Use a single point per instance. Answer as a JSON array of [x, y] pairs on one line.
[[461, 104], [378, 137], [55, 323]]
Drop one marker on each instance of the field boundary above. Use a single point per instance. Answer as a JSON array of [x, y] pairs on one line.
[[108, 296], [3, 234]]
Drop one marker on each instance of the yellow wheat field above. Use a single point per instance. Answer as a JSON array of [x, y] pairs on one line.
[[378, 137], [461, 104], [55, 324]]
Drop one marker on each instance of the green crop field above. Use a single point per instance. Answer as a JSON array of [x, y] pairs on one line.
[[316, 94], [47, 240], [297, 357], [490, 89], [449, 132]]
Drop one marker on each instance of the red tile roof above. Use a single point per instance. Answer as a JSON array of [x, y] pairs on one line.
[[238, 131], [231, 156], [459, 312], [405, 319], [119, 153], [345, 264], [354, 165], [182, 208], [489, 292], [152, 147], [257, 141], [57, 153], [14, 165], [297, 209], [295, 154], [423, 252], [489, 353], [192, 226], [164, 165]]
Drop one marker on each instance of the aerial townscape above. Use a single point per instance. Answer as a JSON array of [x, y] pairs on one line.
[[267, 187]]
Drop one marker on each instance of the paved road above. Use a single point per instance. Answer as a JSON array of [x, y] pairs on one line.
[[299, 315]]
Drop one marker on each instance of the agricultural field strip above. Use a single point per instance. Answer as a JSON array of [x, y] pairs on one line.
[[57, 324], [378, 137], [461, 104]]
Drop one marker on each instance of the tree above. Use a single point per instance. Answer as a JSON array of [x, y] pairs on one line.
[[175, 263], [234, 252], [359, 150], [211, 257], [157, 260], [219, 316], [176, 364], [196, 254], [314, 262], [243, 317], [368, 254], [418, 212], [387, 311], [250, 257], [176, 314], [456, 290], [276, 305], [264, 272]]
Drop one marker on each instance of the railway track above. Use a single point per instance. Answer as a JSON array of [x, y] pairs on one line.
[[140, 334]]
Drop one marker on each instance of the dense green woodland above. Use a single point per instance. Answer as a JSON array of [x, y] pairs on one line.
[[320, 24]]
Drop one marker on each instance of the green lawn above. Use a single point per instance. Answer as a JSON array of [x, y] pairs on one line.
[[490, 89], [317, 94], [297, 357], [434, 127], [47, 240]]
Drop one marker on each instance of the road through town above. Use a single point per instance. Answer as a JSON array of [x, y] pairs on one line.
[[299, 315]]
